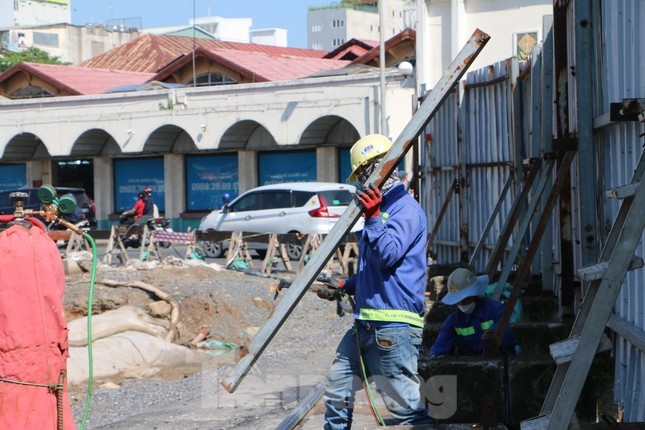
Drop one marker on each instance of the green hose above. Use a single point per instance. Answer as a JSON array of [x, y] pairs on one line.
[[370, 396], [90, 358]]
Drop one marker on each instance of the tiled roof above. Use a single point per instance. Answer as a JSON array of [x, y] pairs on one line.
[[395, 42], [78, 80], [261, 66], [149, 53]]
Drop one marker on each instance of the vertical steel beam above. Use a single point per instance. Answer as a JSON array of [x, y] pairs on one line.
[[564, 140], [587, 178], [547, 142], [406, 139], [462, 181]]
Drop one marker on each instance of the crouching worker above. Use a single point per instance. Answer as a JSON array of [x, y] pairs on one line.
[[388, 291], [475, 318]]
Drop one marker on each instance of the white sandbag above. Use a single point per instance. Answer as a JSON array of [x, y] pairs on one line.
[[126, 318], [136, 355]]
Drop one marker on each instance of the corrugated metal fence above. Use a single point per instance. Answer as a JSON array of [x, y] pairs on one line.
[[620, 147], [503, 115]]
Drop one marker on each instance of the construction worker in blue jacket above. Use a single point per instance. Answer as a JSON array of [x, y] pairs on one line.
[[475, 318], [388, 291]]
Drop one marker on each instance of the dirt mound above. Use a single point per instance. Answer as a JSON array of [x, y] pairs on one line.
[[232, 305]]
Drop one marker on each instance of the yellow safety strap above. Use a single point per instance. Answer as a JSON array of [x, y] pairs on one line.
[[391, 315]]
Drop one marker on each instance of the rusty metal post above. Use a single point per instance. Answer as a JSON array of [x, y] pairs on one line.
[[406, 139]]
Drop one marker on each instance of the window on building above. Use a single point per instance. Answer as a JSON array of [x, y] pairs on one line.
[[45, 39], [338, 23], [336, 42], [31, 93], [317, 45], [15, 5], [315, 28], [210, 79]]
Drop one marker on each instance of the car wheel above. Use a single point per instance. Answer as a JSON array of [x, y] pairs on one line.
[[294, 251], [212, 249]]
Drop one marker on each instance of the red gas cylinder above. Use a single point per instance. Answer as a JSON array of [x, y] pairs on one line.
[[33, 332]]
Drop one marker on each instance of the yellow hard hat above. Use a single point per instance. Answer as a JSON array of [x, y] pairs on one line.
[[367, 149]]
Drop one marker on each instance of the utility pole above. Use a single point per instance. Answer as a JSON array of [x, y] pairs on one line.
[[381, 11]]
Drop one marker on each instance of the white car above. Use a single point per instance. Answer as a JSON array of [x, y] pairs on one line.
[[295, 207]]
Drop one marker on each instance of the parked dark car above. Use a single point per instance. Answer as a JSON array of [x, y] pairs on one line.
[[33, 202]]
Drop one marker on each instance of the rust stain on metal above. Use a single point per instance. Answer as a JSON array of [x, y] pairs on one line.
[[244, 352], [228, 387]]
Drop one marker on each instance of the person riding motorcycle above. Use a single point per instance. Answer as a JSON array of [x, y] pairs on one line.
[[130, 217], [149, 203]]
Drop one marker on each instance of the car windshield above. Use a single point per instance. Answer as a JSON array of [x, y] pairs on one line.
[[336, 197]]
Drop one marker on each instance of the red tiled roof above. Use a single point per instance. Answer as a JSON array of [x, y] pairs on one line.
[[149, 53], [256, 66], [78, 80], [278, 67], [407, 35]]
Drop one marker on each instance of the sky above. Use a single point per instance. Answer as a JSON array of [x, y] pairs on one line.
[[289, 14]]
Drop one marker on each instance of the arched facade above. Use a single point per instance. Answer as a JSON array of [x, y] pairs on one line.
[[192, 143]]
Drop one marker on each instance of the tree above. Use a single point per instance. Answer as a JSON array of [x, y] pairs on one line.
[[9, 59]]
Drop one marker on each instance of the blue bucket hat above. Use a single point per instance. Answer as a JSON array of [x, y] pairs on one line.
[[462, 283]]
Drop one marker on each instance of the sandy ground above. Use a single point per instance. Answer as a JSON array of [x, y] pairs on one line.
[[233, 305]]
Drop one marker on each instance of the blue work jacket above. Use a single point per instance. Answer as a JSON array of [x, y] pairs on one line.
[[390, 282], [465, 330]]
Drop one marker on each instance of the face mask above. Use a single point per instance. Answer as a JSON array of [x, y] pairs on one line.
[[467, 309], [367, 171]]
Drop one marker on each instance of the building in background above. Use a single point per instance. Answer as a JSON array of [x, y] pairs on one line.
[[226, 30], [34, 12], [329, 27], [70, 43], [270, 36], [515, 27]]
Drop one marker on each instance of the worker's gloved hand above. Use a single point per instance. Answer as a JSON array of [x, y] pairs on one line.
[[333, 289], [370, 198], [330, 294], [331, 282]]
